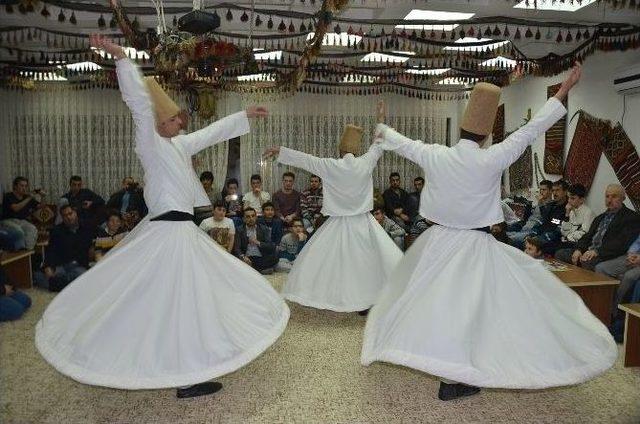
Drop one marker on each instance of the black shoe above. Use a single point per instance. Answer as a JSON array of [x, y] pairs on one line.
[[455, 391], [364, 313], [198, 389]]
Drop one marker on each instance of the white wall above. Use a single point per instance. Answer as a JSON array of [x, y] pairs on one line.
[[594, 94]]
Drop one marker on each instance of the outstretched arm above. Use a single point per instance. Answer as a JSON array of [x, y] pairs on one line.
[[224, 129], [507, 152], [134, 92], [286, 156], [414, 150]]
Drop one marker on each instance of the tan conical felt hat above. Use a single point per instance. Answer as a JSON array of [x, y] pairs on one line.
[[482, 109], [163, 106], [351, 140]]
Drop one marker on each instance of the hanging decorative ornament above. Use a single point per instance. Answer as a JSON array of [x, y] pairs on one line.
[[559, 37], [517, 36], [538, 35], [496, 31], [487, 32], [61, 16], [587, 35], [175, 21], [461, 33], [337, 29], [528, 33], [506, 32], [73, 19], [101, 22], [303, 27], [8, 8], [258, 21], [282, 27], [471, 32], [549, 35], [244, 17], [270, 23], [45, 12], [135, 24], [578, 35], [569, 37], [229, 15], [292, 28]]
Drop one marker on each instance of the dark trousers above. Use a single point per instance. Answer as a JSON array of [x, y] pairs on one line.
[[260, 263], [564, 255]]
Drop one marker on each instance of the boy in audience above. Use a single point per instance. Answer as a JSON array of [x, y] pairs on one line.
[[219, 227], [579, 217], [390, 227], [233, 201], [287, 200], [110, 235], [270, 220], [256, 197], [533, 247], [311, 203], [291, 245]]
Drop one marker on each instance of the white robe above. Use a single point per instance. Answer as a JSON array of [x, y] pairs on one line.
[[167, 307], [344, 266], [466, 307]]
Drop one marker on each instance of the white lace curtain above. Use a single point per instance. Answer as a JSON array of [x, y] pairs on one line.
[[314, 124], [47, 136]]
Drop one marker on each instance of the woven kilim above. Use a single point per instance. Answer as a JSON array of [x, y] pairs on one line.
[[585, 150], [623, 157], [554, 139], [498, 126], [521, 172]]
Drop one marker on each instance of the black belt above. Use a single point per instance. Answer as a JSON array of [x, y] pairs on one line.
[[174, 216], [483, 229]]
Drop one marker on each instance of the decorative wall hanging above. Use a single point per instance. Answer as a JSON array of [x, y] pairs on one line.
[[585, 149], [623, 157], [554, 139], [521, 172]]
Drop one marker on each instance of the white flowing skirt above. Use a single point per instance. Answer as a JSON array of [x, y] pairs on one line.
[[468, 308], [166, 308], [344, 266]]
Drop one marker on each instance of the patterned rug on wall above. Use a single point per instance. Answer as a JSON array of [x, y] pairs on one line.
[[554, 139], [521, 172], [498, 126], [623, 157], [585, 149]]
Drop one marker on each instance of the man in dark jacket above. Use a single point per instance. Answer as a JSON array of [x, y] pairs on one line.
[[129, 202], [397, 202], [89, 205], [67, 255], [610, 234], [253, 244]]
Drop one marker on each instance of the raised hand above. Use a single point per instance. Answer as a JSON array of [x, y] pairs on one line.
[[101, 42], [257, 112], [271, 152], [571, 80]]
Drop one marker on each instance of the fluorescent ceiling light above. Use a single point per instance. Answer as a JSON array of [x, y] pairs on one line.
[[427, 71], [268, 55], [381, 57], [256, 77], [80, 65], [467, 40], [129, 51], [434, 15], [456, 81], [565, 6], [335, 39], [49, 76], [499, 61], [359, 78]]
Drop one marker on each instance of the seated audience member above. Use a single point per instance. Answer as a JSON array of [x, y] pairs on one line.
[[378, 200], [499, 231], [219, 227], [129, 201], [233, 201], [291, 245], [311, 203], [67, 255], [552, 217], [87, 203], [610, 234], [533, 247], [13, 303], [287, 200], [253, 245], [625, 268], [256, 197], [17, 207], [390, 227], [518, 233], [11, 239], [510, 216], [271, 221], [397, 202], [419, 226], [206, 178], [578, 217], [110, 235], [418, 184]]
